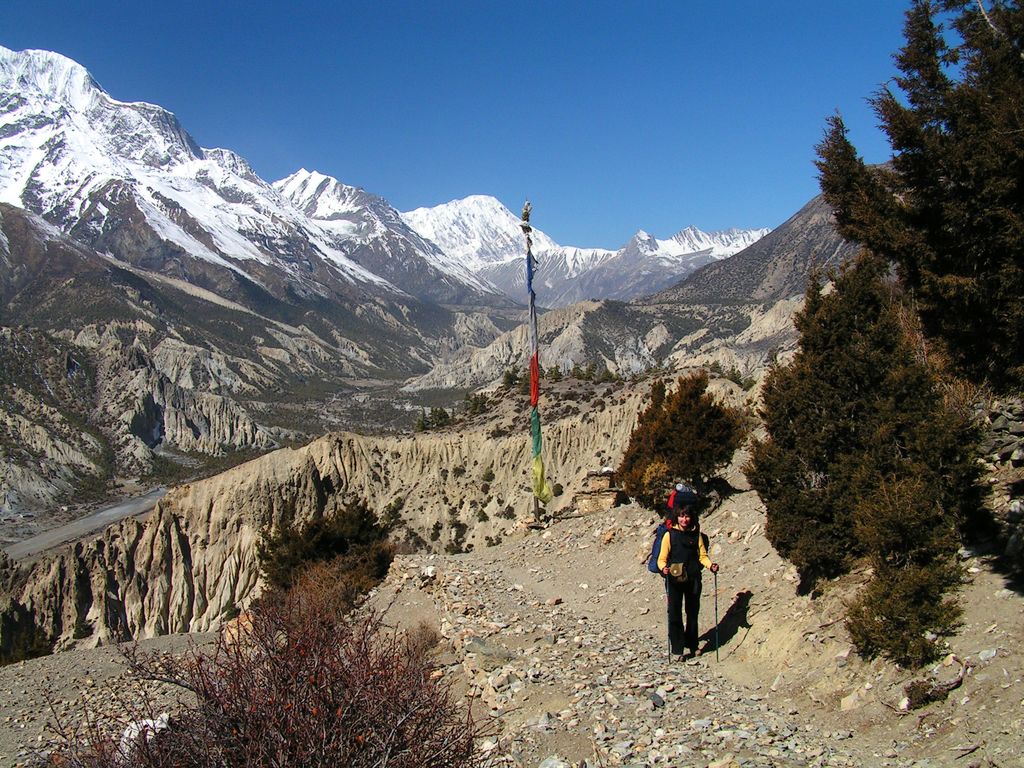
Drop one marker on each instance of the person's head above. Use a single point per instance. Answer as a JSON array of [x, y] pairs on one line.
[[682, 518]]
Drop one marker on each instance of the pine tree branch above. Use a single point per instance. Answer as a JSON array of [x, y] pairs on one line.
[[988, 20]]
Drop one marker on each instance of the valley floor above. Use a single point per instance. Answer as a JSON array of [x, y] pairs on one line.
[[82, 526]]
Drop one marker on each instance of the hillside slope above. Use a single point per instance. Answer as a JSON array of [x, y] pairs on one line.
[[193, 559], [559, 636], [775, 267]]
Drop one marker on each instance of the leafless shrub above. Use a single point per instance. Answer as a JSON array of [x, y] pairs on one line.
[[304, 685]]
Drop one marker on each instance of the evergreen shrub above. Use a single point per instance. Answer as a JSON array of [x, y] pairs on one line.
[[353, 537], [683, 434], [911, 544]]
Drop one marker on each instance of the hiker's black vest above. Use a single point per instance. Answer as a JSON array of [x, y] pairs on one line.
[[684, 548]]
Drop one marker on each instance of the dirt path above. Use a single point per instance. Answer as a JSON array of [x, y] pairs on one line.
[[561, 633]]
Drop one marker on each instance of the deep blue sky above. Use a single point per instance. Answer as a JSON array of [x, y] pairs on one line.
[[609, 116]]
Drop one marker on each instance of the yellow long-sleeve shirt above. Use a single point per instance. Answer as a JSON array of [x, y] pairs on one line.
[[666, 547]]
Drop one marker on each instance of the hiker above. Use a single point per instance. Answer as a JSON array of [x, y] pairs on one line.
[[683, 555]]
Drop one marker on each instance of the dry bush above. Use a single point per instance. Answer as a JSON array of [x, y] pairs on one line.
[[305, 686], [656, 477]]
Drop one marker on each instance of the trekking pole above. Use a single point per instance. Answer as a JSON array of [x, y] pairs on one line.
[[668, 629], [715, 574]]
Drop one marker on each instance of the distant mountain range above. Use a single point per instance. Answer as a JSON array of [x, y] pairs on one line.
[[482, 234], [128, 180], [774, 267], [736, 313], [201, 309]]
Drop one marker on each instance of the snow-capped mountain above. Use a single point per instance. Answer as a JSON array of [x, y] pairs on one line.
[[369, 230], [478, 231], [485, 236], [720, 244], [94, 166], [647, 264]]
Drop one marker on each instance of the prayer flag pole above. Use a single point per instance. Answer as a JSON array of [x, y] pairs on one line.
[[541, 487]]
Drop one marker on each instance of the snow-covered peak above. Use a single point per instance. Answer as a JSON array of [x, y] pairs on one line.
[[231, 162], [48, 74], [690, 242], [721, 244], [57, 101], [355, 216], [644, 242], [321, 196], [72, 154], [476, 230]]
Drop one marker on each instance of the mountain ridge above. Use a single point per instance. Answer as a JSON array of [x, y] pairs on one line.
[[484, 235], [772, 268]]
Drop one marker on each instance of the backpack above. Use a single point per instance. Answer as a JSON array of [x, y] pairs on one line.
[[652, 559], [687, 497]]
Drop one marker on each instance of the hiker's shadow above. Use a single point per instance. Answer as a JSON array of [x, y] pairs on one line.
[[731, 623]]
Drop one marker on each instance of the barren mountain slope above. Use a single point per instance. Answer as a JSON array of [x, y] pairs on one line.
[[629, 338], [194, 558], [775, 267]]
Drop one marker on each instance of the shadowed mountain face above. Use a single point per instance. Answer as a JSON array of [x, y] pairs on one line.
[[51, 282], [775, 267]]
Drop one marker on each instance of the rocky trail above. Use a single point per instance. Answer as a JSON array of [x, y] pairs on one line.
[[566, 686], [558, 634], [561, 636]]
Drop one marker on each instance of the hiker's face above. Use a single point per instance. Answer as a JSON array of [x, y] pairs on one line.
[[685, 520]]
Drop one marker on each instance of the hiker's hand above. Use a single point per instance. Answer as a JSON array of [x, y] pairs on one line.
[[664, 571], [714, 567]]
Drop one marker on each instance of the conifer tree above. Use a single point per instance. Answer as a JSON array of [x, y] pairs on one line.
[[439, 417], [854, 421], [949, 209], [681, 434], [855, 406]]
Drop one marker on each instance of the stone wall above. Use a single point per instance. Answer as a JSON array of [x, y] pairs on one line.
[[1002, 446], [599, 494]]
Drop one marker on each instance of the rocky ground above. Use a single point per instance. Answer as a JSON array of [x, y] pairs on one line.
[[40, 695], [559, 634]]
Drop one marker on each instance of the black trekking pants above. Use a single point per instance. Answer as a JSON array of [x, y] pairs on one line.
[[682, 597]]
